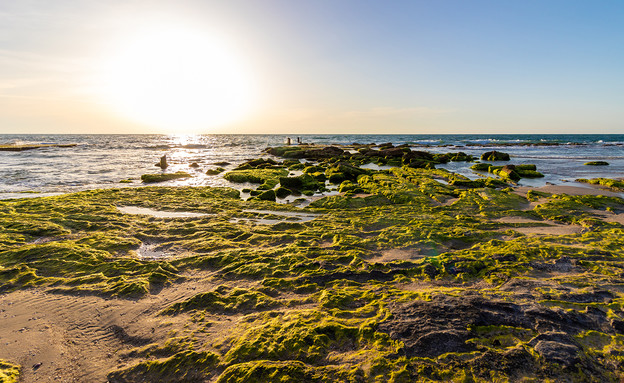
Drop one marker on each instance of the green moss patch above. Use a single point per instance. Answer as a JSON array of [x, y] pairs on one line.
[[152, 178]]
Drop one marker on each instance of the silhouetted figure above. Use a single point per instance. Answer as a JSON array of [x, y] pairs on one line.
[[288, 141]]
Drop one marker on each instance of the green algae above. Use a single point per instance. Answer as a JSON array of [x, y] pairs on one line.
[[616, 185], [227, 300], [152, 178], [185, 366], [305, 300], [9, 372]]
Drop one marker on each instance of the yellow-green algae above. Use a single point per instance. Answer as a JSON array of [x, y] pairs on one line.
[[339, 298], [9, 372]]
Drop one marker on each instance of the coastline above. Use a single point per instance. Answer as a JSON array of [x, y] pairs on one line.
[[406, 272]]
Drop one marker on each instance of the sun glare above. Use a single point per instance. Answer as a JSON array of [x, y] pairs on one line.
[[178, 80]]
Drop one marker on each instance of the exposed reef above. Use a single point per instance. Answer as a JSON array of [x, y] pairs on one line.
[[21, 148], [403, 273]]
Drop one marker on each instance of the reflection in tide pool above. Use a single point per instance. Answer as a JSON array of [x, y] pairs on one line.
[[160, 213], [291, 216]]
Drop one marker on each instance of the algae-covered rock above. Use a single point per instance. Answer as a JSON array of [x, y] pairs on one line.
[[494, 156], [151, 178], [460, 157], [215, 171], [508, 171], [282, 192], [342, 171], [259, 163], [481, 166], [185, 366], [268, 177], [304, 151], [302, 182], [596, 163], [617, 185], [268, 195]]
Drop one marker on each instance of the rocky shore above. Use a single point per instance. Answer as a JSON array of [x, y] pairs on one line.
[[399, 272]]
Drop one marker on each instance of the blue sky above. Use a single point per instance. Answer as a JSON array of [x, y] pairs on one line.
[[330, 66]]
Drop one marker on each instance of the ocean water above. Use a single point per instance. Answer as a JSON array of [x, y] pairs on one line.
[[101, 161]]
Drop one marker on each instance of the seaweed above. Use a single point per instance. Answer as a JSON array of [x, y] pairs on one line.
[[411, 273]]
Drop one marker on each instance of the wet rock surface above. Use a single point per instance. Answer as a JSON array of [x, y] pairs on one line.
[[432, 328]]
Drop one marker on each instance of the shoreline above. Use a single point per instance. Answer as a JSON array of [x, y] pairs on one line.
[[393, 272]]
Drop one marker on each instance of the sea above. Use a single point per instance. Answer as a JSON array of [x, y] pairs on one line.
[[102, 161]]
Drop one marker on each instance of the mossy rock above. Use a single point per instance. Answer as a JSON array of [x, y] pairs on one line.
[[494, 156], [152, 178], [225, 300], [268, 177], [342, 171], [460, 157], [481, 166], [302, 182], [185, 366], [528, 173], [282, 192], [596, 163], [509, 172], [350, 187], [214, 172], [617, 185], [478, 183], [268, 195], [526, 167]]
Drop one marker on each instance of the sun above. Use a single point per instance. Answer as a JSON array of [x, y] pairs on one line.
[[177, 80]]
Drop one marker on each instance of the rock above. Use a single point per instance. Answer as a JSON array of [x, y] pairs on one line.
[[508, 171], [268, 195], [596, 163], [302, 182], [214, 172], [326, 152], [391, 153], [419, 155], [460, 157], [494, 156], [150, 178], [440, 342], [481, 166], [282, 192], [343, 171], [618, 325], [556, 347], [194, 165], [411, 321], [163, 162]]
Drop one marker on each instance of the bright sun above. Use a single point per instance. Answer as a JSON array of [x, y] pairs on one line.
[[178, 80]]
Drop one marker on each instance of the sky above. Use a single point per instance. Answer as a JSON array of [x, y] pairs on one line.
[[312, 66]]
